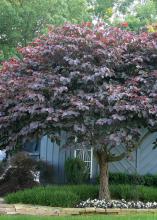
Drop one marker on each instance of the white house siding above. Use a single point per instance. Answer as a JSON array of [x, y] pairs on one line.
[[56, 156], [143, 161]]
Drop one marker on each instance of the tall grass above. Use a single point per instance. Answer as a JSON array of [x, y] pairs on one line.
[[64, 196], [71, 195]]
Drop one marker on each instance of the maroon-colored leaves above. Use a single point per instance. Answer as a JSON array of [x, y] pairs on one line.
[[97, 83]]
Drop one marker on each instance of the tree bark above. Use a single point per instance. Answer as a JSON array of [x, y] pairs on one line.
[[104, 192]]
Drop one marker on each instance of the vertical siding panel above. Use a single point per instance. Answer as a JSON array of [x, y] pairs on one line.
[[49, 151], [43, 146], [55, 161], [61, 164], [147, 156]]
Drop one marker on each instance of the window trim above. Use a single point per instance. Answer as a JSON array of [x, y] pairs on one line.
[[86, 161]]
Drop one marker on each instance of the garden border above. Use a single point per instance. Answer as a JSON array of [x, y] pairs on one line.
[[21, 209]]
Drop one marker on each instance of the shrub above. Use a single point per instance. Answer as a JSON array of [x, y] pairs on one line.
[[25, 167], [122, 178], [132, 179], [76, 171], [46, 172], [18, 174]]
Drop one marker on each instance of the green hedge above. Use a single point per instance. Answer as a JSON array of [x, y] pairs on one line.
[[121, 178], [132, 179], [69, 196]]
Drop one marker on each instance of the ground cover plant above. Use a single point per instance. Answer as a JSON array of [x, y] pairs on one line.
[[70, 196], [93, 217], [97, 83]]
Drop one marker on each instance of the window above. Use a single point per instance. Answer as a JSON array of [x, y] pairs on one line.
[[87, 156], [32, 147]]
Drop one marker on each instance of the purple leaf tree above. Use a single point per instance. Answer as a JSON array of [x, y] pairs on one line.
[[99, 84]]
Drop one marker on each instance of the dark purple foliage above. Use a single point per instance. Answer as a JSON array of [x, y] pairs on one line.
[[99, 84]]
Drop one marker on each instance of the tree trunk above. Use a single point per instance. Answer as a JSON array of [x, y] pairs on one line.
[[104, 192]]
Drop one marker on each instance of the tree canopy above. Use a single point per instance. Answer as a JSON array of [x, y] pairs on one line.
[[97, 83], [23, 20]]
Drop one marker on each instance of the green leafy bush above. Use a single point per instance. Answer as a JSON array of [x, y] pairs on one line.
[[123, 178], [132, 179], [76, 171]]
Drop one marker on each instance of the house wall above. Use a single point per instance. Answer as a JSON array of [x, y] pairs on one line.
[[143, 161], [56, 156]]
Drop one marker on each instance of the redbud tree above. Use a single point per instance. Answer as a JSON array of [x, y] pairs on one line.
[[98, 84]]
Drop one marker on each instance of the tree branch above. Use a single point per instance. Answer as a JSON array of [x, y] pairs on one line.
[[112, 158]]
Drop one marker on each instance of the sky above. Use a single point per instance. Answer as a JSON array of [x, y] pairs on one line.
[[2, 154]]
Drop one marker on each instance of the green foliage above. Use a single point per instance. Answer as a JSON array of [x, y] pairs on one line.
[[144, 15], [139, 216], [130, 192], [146, 11], [85, 191], [122, 178], [62, 11], [76, 171], [69, 196], [132, 179], [123, 5], [21, 21], [134, 22], [100, 8], [65, 196]]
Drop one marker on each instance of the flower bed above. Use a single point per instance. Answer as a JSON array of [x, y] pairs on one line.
[[72, 195], [122, 204]]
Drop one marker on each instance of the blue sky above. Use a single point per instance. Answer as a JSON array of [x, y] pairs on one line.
[[2, 155]]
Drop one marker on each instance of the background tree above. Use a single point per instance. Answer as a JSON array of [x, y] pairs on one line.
[[144, 15], [137, 14], [23, 20], [101, 9], [98, 84], [8, 35]]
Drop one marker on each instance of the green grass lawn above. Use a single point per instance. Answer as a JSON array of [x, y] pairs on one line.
[[93, 217]]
